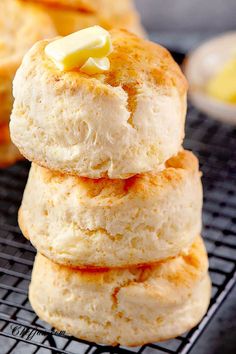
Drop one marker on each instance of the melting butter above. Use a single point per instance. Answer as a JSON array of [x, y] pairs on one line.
[[223, 85], [95, 66], [75, 50]]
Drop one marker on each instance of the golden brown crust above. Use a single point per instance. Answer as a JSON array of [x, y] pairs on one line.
[[184, 160], [134, 62], [140, 184], [186, 269], [183, 270]]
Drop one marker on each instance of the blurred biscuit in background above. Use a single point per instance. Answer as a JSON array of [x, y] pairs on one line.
[[71, 16], [21, 25], [9, 153]]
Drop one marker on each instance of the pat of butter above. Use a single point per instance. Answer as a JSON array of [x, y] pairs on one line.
[[95, 66], [74, 50], [223, 85]]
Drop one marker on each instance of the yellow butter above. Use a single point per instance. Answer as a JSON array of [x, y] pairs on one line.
[[74, 50], [223, 85], [95, 66]]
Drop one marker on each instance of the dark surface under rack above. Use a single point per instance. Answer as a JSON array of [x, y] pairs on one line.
[[20, 329]]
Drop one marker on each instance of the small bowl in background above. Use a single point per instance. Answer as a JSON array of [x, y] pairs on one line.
[[203, 63]]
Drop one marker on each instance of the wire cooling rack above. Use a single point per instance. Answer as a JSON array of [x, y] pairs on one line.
[[20, 329]]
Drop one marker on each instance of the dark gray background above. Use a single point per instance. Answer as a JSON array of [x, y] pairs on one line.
[[191, 15]]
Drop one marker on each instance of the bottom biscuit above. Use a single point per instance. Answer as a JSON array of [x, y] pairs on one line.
[[124, 306]]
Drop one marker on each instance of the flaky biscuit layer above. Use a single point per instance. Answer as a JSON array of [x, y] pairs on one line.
[[113, 223]]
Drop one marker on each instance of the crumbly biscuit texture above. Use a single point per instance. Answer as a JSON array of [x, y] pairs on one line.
[[127, 121], [113, 223]]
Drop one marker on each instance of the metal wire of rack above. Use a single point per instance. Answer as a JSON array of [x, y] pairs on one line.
[[21, 331]]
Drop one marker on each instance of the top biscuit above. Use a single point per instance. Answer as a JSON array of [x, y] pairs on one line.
[[126, 121]]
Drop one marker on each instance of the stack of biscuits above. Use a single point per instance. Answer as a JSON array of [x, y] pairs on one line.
[[113, 202]]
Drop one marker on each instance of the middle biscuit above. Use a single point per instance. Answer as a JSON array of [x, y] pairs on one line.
[[113, 223]]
